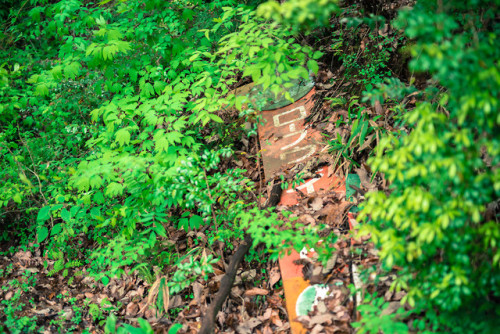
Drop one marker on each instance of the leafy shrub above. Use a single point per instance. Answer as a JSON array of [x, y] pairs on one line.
[[438, 221], [115, 142]]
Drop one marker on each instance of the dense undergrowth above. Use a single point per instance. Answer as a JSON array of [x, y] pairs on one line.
[[119, 125]]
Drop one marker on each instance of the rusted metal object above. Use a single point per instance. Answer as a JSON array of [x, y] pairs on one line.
[[285, 139]]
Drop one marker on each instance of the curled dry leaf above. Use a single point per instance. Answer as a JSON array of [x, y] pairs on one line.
[[317, 203], [256, 292], [132, 309], [274, 276], [197, 292], [159, 287]]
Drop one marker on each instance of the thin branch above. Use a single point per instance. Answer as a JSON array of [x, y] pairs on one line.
[[208, 323]]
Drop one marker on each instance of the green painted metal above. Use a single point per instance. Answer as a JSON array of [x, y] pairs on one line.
[[268, 101]]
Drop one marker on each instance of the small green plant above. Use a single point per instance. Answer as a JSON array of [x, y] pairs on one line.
[[95, 312], [12, 306], [188, 270], [374, 320], [279, 237], [111, 327]]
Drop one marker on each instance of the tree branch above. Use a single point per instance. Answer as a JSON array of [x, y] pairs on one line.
[[208, 323]]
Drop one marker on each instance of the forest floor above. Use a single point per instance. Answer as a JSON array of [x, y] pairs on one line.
[[70, 300]]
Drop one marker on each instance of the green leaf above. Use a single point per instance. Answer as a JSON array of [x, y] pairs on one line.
[[65, 215], [160, 230], [145, 326], [41, 89], [215, 118], [122, 137], [187, 14], [174, 329], [317, 55], [114, 189], [313, 66], [56, 229], [17, 198], [195, 222], [71, 70], [110, 327], [105, 280], [42, 233], [43, 214], [57, 72], [133, 330]]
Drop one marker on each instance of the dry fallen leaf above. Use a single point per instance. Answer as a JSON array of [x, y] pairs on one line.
[[248, 325], [317, 203], [132, 309], [197, 291], [274, 276], [256, 291]]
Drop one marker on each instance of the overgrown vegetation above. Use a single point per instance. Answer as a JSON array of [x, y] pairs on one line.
[[122, 140]]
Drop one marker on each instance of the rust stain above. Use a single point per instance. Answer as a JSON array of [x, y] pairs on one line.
[[284, 138]]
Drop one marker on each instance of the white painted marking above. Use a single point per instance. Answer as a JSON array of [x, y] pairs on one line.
[[292, 127], [357, 283], [301, 138], [303, 253], [309, 185], [302, 115], [311, 148], [321, 293]]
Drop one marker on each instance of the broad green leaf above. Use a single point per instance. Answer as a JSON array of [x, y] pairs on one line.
[[72, 69], [56, 229], [317, 55], [160, 230], [195, 222], [17, 198], [114, 189], [174, 329], [216, 118], [41, 89], [43, 214], [57, 72], [122, 137], [42, 233], [313, 66], [65, 215]]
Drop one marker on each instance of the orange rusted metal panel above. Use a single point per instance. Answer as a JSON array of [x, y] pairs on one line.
[[285, 139], [327, 181]]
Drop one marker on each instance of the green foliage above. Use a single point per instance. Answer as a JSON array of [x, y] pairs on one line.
[[111, 128], [111, 327], [14, 305], [299, 13], [369, 65], [438, 221], [111, 132], [280, 237], [188, 270], [374, 319]]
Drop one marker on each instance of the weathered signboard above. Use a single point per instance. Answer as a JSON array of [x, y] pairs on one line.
[[285, 139]]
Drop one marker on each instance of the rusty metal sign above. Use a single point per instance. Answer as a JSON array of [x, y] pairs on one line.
[[285, 139]]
